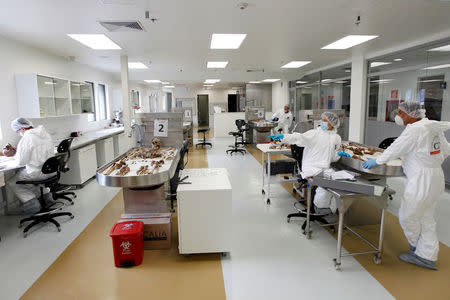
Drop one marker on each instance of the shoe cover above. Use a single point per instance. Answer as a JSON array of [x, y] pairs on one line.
[[418, 261]]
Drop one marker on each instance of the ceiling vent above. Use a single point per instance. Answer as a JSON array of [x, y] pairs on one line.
[[255, 70], [131, 26]]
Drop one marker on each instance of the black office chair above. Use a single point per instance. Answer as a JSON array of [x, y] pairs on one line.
[[242, 129], [176, 180], [61, 191], [47, 213], [203, 142], [386, 142], [237, 134], [297, 154]]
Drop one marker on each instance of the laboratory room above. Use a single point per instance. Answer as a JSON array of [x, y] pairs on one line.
[[224, 150]]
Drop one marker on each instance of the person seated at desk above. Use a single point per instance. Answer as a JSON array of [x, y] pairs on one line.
[[321, 149], [33, 150]]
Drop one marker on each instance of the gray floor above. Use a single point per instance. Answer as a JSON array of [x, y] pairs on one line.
[[23, 260], [270, 258]]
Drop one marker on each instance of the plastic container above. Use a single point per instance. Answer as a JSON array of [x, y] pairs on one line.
[[127, 239]]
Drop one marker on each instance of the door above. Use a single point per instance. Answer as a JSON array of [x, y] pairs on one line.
[[203, 110], [232, 103], [169, 101]]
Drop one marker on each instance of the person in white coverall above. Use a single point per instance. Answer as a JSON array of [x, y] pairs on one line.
[[284, 120], [34, 148], [422, 147], [321, 149]]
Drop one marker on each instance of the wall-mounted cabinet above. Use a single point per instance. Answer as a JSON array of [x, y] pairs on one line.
[[42, 96]]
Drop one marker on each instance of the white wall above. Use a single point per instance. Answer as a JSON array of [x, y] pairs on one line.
[[17, 58], [280, 95]]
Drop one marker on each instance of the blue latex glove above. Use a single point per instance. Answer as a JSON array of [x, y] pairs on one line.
[[342, 153], [277, 137], [369, 163]]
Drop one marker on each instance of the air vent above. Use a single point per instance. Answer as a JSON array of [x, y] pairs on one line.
[[131, 26], [255, 70]]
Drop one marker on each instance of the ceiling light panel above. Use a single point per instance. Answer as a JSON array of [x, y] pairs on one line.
[[437, 67], [95, 41], [441, 49], [152, 81], [398, 59], [378, 64], [226, 41], [301, 82], [169, 86], [216, 64], [136, 65], [254, 82], [295, 64], [165, 82], [349, 41], [212, 80], [271, 80]]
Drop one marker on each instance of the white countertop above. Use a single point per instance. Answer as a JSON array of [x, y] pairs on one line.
[[92, 136]]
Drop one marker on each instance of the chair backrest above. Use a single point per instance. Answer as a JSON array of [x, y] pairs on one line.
[[64, 150], [51, 165], [240, 123], [297, 154], [387, 142]]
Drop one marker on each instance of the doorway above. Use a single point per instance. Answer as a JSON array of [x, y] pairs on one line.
[[169, 102], [203, 110], [232, 103]]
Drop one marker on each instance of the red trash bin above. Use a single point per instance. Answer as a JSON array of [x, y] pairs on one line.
[[127, 239]]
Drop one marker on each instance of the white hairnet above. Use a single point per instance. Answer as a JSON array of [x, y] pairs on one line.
[[332, 118], [413, 109], [20, 123]]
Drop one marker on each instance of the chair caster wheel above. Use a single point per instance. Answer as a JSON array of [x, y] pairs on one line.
[[377, 259], [20, 225], [71, 203], [337, 265], [263, 192], [268, 201], [294, 191], [25, 234], [74, 196], [72, 216], [59, 229]]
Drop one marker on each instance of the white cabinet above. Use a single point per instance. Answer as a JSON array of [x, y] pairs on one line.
[[120, 144], [204, 211], [82, 165], [105, 151], [82, 96]]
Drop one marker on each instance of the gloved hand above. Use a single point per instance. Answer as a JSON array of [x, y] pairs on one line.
[[342, 153], [277, 137], [369, 163]]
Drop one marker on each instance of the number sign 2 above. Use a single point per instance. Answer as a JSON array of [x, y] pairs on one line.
[[161, 128]]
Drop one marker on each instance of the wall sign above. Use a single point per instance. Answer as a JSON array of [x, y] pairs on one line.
[[161, 128], [394, 94], [260, 114], [187, 113]]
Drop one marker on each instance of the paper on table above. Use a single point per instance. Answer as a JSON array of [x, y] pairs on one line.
[[338, 175]]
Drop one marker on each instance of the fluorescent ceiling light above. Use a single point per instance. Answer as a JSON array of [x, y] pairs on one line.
[[212, 81], [437, 67], [348, 70], [95, 41], [398, 59], [136, 65], [165, 82], [152, 81], [349, 41], [254, 82], [216, 64], [431, 80], [226, 41], [381, 81], [49, 82], [295, 64], [327, 80], [301, 82], [442, 49], [169, 86], [378, 64], [208, 85], [270, 80], [340, 81]]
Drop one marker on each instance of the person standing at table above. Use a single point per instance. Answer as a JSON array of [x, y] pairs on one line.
[[284, 117]]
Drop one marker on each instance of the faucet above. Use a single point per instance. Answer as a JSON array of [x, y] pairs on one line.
[[141, 134]]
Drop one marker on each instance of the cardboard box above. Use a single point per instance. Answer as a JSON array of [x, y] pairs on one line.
[[157, 229]]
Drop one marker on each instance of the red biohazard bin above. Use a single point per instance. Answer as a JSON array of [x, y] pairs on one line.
[[127, 239]]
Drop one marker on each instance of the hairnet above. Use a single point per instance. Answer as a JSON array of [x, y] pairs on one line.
[[20, 123], [413, 109], [332, 118]]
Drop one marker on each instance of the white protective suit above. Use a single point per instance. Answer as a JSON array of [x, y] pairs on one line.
[[320, 151], [422, 147], [284, 121], [33, 150]]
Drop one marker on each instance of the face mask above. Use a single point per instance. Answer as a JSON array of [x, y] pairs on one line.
[[324, 125], [21, 134], [399, 121]]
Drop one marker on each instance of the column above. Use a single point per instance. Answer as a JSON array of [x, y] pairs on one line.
[[358, 99], [126, 104]]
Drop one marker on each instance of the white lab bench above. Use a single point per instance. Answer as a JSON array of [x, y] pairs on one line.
[[204, 211]]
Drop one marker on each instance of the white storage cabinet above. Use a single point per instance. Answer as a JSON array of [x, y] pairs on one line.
[[82, 165], [204, 211], [105, 151], [120, 144]]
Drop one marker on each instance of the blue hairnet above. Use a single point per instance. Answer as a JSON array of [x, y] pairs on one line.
[[413, 109], [332, 118], [20, 123]]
